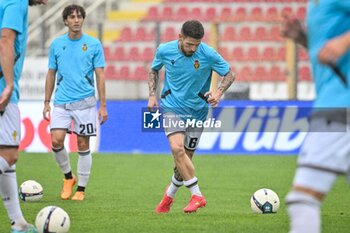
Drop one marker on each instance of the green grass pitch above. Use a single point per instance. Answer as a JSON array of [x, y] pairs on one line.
[[124, 190]]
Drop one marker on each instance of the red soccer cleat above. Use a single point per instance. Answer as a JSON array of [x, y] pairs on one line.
[[165, 204], [195, 203]]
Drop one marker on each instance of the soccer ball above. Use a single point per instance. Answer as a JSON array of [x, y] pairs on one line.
[[52, 219], [30, 191], [264, 201]]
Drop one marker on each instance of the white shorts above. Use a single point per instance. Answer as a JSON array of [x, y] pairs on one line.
[[84, 120], [326, 146], [192, 134], [10, 126]]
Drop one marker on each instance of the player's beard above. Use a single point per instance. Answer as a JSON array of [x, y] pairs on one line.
[[187, 54]]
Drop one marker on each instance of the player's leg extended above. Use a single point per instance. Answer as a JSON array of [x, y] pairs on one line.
[[322, 157], [9, 141], [84, 127], [60, 124], [84, 167]]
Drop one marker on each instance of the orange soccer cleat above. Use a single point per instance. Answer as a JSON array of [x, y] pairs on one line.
[[195, 203], [78, 196], [165, 204], [67, 188]]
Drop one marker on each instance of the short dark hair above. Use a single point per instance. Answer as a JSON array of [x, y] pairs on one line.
[[70, 9], [193, 29]]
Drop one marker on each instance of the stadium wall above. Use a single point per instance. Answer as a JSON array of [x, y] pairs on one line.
[[249, 127]]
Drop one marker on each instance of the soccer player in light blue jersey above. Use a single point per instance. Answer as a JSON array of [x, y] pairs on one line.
[[188, 64], [326, 150], [14, 30], [73, 60]]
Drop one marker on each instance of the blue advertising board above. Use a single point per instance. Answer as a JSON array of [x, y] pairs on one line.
[[247, 127]]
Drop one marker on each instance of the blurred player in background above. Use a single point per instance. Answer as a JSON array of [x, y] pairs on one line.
[[326, 150], [74, 57], [188, 69], [14, 29]]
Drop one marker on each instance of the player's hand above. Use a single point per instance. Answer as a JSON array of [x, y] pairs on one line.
[[333, 50], [291, 27], [5, 97], [46, 111], [102, 115], [152, 103], [213, 98]]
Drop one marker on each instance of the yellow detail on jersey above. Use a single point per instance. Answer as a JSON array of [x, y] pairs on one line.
[[196, 64], [84, 47], [14, 135]]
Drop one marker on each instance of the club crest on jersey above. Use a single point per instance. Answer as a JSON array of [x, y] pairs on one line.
[[196, 64], [14, 135], [84, 47]]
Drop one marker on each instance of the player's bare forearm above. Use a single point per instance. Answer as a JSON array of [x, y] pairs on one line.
[[153, 78], [49, 85], [226, 82], [101, 88]]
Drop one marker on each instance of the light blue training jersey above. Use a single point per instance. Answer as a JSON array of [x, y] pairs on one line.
[[75, 62], [187, 79], [14, 15], [327, 19]]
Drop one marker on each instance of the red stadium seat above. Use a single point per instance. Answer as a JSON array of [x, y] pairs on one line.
[[152, 14], [287, 10], [225, 53], [260, 33], [256, 14], [140, 73], [253, 54], [169, 34], [134, 54], [147, 54], [240, 14], [119, 53], [226, 14], [167, 13], [140, 34], [275, 34], [111, 72], [260, 73], [126, 34], [245, 34], [229, 34], [272, 15], [268, 54], [237, 54], [182, 13], [245, 74], [210, 14], [281, 54], [301, 12], [124, 72], [196, 13], [304, 74], [107, 52], [276, 74], [302, 54]]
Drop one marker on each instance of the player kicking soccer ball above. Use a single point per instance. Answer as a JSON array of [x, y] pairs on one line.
[[188, 69]]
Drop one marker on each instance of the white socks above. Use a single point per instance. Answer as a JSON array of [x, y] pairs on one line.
[[304, 213], [84, 167], [174, 187], [192, 185], [62, 159], [9, 194]]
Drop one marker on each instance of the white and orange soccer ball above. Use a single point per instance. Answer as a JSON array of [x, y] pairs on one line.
[[265, 201]]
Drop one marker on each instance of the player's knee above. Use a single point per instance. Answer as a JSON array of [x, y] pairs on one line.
[[177, 148], [57, 143], [317, 180], [10, 154]]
